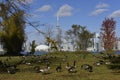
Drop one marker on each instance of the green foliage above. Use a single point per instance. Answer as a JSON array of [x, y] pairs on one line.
[[32, 47], [12, 34], [115, 63], [80, 37], [85, 38], [52, 43], [110, 51]]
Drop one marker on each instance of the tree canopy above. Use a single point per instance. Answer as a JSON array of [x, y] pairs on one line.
[[12, 25], [108, 33], [80, 37]]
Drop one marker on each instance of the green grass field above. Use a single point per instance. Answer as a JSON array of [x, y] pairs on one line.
[[26, 72]]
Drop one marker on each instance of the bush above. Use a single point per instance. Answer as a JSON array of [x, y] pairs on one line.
[[115, 64], [2, 67]]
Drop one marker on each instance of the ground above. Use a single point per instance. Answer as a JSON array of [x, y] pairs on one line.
[[26, 71]]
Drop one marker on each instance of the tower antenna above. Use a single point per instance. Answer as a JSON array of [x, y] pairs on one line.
[[57, 21]]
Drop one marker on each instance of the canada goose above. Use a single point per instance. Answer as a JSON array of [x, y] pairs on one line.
[[107, 62], [87, 67], [98, 63], [59, 68], [71, 69], [74, 64], [36, 69], [28, 63], [12, 69], [68, 66], [45, 70], [1, 62], [6, 65]]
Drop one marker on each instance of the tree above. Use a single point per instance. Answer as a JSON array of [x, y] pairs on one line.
[[52, 43], [32, 47], [49, 33], [80, 37], [12, 24], [84, 38], [108, 33], [72, 34], [13, 34]]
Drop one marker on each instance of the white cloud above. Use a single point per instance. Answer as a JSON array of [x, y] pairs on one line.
[[65, 10], [98, 11], [100, 8], [44, 8], [115, 14], [102, 5]]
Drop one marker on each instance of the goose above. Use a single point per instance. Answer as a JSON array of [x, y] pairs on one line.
[[11, 69], [36, 69], [71, 69], [28, 63], [67, 66], [45, 70], [74, 64], [6, 65], [107, 62], [87, 67], [1, 62], [98, 63], [59, 68]]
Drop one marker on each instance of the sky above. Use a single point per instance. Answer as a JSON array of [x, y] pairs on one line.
[[89, 13]]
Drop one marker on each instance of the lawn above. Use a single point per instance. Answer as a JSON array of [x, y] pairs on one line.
[[26, 72]]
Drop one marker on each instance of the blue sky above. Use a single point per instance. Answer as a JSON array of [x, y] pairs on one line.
[[89, 13]]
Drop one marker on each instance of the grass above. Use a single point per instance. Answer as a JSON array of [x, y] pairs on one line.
[[26, 72]]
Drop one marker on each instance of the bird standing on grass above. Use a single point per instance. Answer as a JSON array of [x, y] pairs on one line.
[[67, 66], [36, 69], [71, 69], [59, 68], [11, 69], [87, 67], [45, 70]]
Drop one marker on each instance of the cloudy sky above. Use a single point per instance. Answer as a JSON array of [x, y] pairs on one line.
[[89, 13]]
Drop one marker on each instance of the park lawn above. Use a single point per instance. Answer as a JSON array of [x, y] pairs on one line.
[[26, 71]]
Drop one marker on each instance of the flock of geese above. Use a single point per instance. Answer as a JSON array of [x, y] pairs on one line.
[[11, 69], [69, 68]]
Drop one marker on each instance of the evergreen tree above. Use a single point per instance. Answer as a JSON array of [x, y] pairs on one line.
[[32, 47]]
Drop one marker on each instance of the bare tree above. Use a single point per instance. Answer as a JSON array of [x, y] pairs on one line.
[[49, 31]]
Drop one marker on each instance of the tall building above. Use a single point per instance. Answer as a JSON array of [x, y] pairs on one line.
[[95, 43], [58, 34]]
